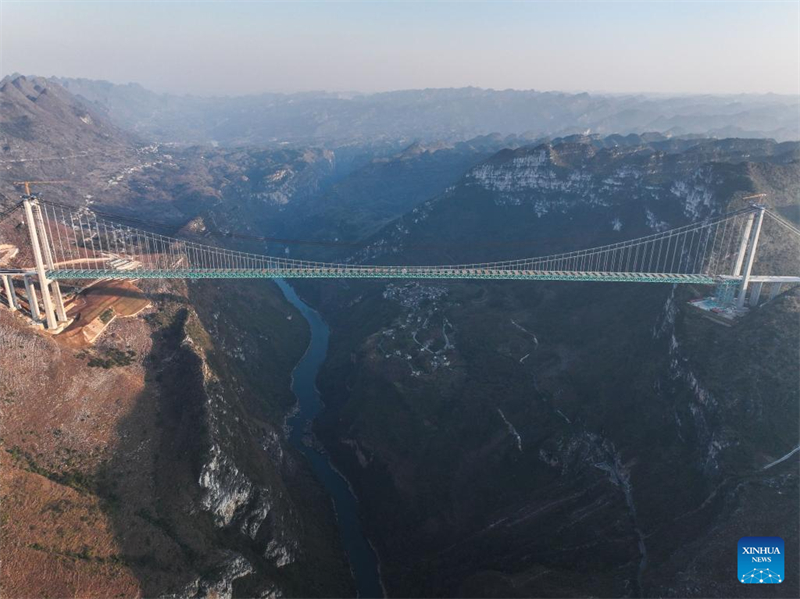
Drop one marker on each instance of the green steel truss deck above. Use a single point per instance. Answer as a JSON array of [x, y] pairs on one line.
[[397, 272]]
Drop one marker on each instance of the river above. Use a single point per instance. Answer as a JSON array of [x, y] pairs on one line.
[[363, 560]]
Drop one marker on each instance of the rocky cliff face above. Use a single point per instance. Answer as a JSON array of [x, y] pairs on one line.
[[558, 439], [161, 475], [228, 493], [626, 190]]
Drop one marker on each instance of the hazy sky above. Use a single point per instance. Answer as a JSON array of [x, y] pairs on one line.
[[250, 47]]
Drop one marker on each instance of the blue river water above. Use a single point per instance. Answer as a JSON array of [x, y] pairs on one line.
[[363, 560]]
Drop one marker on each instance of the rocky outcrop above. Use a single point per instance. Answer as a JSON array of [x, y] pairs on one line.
[[218, 583], [229, 494]]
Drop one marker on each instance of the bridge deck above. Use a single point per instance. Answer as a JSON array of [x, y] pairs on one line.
[[355, 272]]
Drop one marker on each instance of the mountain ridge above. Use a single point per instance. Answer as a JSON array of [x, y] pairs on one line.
[[431, 114]]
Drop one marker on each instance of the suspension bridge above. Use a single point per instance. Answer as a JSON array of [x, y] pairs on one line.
[[74, 244]]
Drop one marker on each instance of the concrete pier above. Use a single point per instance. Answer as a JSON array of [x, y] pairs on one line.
[[10, 295], [61, 313], [33, 301], [755, 293]]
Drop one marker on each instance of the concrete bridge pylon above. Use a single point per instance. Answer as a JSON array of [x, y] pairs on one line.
[[52, 300], [749, 239]]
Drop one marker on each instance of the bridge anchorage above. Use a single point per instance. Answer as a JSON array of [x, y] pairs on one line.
[[78, 245]]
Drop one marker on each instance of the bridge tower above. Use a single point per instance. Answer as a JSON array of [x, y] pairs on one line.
[[750, 243], [55, 287], [54, 311]]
